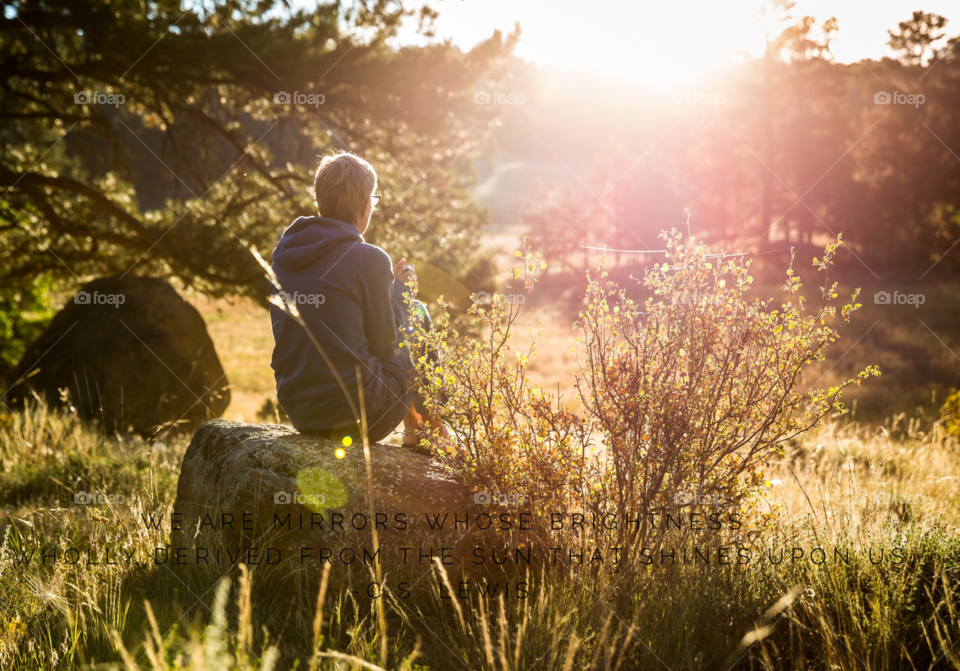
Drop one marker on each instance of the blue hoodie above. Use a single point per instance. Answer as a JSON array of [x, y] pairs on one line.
[[345, 291]]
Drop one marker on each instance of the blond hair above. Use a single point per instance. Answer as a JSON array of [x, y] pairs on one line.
[[344, 182]]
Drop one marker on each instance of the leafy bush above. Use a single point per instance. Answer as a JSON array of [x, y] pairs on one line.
[[25, 310], [693, 390], [950, 414], [514, 438]]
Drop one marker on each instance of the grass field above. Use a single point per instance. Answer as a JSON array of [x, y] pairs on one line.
[[885, 477], [240, 330], [847, 487]]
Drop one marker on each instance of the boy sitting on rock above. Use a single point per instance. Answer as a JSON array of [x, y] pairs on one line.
[[351, 297]]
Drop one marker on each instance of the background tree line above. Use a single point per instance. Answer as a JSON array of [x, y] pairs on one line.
[[798, 148]]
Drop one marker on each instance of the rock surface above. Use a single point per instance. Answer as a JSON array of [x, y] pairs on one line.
[[261, 473], [132, 353], [242, 466]]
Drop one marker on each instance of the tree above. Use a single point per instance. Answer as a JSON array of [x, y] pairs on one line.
[[158, 139], [24, 312], [794, 43], [908, 174], [914, 38]]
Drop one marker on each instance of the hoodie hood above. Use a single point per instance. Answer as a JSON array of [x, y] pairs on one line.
[[308, 237]]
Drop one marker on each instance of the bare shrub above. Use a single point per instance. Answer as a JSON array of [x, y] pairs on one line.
[[696, 388]]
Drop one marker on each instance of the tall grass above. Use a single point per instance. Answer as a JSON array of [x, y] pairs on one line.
[[845, 486]]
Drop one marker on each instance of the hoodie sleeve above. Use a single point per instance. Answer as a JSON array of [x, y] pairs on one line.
[[384, 310]]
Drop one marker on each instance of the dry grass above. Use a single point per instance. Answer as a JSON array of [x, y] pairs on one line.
[[855, 474], [826, 491], [241, 333], [891, 479]]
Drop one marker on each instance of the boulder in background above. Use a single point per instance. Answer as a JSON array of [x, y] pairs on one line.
[[132, 353]]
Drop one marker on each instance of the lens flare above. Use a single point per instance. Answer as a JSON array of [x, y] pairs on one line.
[[322, 489]]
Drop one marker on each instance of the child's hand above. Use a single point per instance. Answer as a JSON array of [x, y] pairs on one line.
[[404, 273]]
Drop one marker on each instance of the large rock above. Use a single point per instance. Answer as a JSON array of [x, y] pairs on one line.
[[259, 474], [132, 353]]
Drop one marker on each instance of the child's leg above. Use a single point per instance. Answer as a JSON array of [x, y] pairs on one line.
[[412, 421], [417, 418]]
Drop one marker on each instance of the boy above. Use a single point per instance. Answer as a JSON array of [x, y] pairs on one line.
[[351, 297]]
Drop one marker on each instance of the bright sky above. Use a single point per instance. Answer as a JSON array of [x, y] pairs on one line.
[[666, 40]]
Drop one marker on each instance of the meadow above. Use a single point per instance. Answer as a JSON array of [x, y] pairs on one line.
[[849, 487], [861, 487]]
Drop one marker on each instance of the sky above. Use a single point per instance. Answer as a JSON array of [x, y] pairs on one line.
[[666, 40]]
